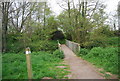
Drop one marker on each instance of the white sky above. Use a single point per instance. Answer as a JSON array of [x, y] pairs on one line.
[[55, 7], [111, 6]]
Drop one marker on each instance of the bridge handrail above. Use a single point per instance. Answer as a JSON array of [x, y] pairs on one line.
[[75, 47]]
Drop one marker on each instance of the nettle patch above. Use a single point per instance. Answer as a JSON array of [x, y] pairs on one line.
[[43, 65]]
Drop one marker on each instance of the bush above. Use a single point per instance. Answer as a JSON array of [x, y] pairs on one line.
[[13, 44], [45, 45], [99, 37], [17, 43], [62, 41], [59, 54], [41, 45], [106, 58], [113, 41], [83, 51], [102, 42]]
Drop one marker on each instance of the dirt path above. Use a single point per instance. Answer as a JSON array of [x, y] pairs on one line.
[[78, 67]]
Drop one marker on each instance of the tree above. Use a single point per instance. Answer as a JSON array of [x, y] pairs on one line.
[[118, 10], [5, 11], [84, 19], [23, 23], [19, 13]]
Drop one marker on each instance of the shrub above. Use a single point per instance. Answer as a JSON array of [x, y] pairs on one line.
[[106, 58], [113, 41], [83, 51], [102, 42], [43, 46], [99, 37], [62, 41], [58, 53], [17, 43]]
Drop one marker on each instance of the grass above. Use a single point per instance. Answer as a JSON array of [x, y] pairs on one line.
[[43, 65], [107, 76]]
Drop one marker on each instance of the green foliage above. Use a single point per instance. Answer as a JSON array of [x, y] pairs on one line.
[[106, 58], [59, 54], [52, 22], [34, 36], [101, 37], [48, 46], [17, 43], [113, 41], [14, 66], [62, 41], [103, 42], [78, 26], [96, 42], [14, 45], [43, 65], [83, 51]]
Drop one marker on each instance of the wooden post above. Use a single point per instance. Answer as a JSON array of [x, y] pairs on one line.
[[29, 67]]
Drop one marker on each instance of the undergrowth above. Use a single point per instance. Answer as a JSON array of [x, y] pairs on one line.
[[106, 58], [43, 65]]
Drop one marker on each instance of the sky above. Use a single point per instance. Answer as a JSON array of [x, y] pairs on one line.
[[111, 6]]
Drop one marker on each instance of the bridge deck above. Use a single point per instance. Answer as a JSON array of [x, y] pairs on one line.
[[80, 69]]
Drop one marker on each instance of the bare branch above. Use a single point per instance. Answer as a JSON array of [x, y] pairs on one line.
[[61, 6], [94, 9]]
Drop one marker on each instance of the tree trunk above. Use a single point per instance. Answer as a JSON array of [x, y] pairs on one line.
[[5, 7], [69, 14], [118, 10], [44, 15]]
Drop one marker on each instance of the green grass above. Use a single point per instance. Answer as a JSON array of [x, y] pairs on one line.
[[107, 76], [106, 58], [43, 65], [58, 53]]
